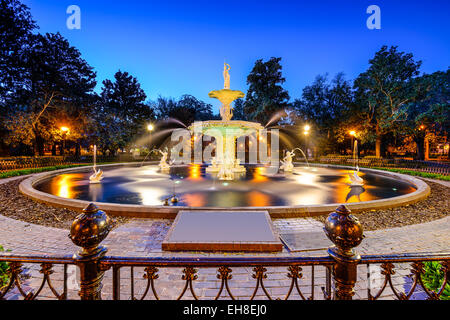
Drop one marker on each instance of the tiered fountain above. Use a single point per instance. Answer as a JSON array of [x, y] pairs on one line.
[[225, 131]]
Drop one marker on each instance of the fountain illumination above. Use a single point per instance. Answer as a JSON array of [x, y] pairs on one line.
[[97, 177], [356, 181], [225, 131]]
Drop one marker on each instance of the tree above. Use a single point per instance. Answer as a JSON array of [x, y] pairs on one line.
[[121, 113], [384, 91], [326, 105], [16, 26], [202, 111], [238, 110], [187, 109], [429, 113], [265, 95], [58, 82]]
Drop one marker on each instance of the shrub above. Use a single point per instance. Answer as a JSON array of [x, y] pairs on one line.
[[433, 278], [23, 172], [4, 272]]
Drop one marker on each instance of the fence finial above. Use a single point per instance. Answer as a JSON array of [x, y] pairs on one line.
[[346, 232], [88, 230]]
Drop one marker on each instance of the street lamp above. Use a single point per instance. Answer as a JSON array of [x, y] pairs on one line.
[[65, 132], [150, 128], [353, 135], [306, 133]]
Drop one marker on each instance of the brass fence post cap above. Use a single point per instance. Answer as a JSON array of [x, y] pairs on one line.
[[89, 229], [344, 230]]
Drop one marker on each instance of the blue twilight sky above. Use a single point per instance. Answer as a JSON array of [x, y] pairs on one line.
[[178, 47]]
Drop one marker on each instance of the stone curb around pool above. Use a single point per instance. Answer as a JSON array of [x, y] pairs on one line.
[[26, 187]]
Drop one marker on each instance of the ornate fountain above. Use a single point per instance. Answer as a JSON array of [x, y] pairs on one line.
[[225, 131]]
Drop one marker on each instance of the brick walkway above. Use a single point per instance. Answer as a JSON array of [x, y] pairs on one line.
[[143, 237]]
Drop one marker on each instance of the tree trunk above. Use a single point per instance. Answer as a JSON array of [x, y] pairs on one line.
[[54, 149], [420, 143], [378, 142], [77, 150], [378, 147], [39, 146]]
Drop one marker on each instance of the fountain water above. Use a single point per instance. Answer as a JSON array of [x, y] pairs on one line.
[[97, 177], [356, 181], [146, 157], [304, 155]]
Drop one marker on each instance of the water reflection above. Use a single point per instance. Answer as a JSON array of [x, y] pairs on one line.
[[255, 188], [355, 191], [195, 172], [64, 185], [96, 191]]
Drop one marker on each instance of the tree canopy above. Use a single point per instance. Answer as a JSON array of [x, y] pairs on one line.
[[265, 95]]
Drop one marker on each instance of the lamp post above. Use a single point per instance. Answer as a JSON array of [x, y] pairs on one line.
[[306, 133], [150, 128], [352, 134], [65, 132]]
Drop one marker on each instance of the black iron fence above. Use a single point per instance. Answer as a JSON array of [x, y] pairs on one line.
[[372, 162], [341, 269], [17, 163]]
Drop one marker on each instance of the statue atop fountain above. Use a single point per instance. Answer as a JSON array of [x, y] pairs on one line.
[[226, 96], [226, 76]]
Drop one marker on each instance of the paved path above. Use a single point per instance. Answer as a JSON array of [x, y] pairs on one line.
[[143, 237]]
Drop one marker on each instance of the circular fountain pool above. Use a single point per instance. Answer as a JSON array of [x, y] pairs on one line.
[[141, 191]]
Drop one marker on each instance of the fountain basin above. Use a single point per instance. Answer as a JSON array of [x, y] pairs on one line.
[[134, 191], [231, 128], [226, 96]]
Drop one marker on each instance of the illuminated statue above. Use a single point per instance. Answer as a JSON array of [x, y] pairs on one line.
[[213, 167], [286, 163], [237, 166], [226, 170], [226, 96], [226, 76], [355, 180], [97, 177], [163, 165]]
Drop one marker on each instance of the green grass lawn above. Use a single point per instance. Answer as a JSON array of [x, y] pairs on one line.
[[417, 173], [24, 172]]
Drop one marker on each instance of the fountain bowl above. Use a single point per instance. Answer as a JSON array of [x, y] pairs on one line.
[[250, 190]]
